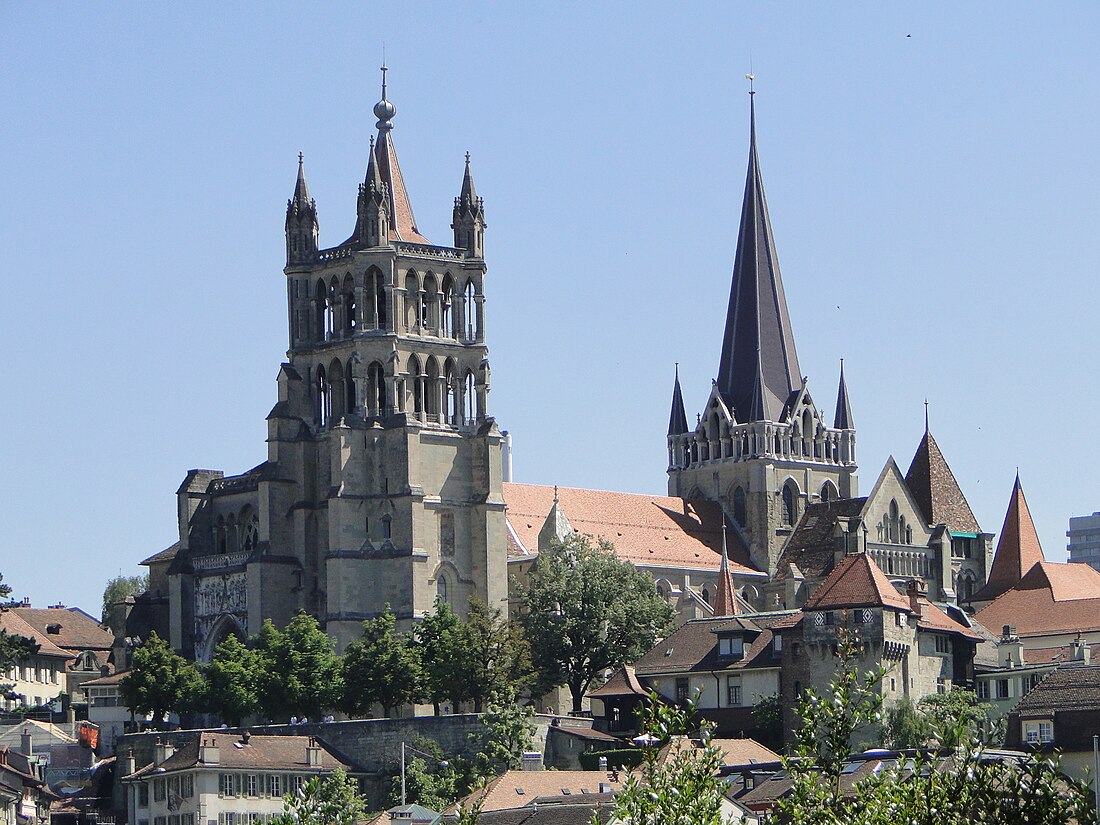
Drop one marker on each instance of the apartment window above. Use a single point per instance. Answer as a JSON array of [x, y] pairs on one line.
[[187, 819], [251, 785], [173, 819], [828, 617], [275, 785], [943, 644], [901, 620], [1046, 731], [158, 790], [187, 786], [1002, 688], [731, 646], [983, 690], [173, 786], [143, 795], [160, 820], [682, 690], [777, 643], [299, 783], [733, 690], [941, 685], [229, 784]]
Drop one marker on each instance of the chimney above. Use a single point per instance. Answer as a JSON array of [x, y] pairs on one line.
[[1010, 648], [208, 751], [915, 590], [313, 753], [129, 764], [161, 751], [1081, 651], [26, 746], [532, 761], [603, 764]]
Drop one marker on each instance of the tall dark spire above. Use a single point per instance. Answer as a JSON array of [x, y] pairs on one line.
[[677, 420], [758, 345], [468, 193], [468, 218], [301, 221], [843, 420], [301, 189], [725, 600]]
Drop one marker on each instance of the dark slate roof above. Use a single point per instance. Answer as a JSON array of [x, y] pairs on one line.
[[1018, 548], [167, 554], [1070, 687], [759, 366], [810, 546], [694, 647], [677, 420], [935, 489], [843, 419]]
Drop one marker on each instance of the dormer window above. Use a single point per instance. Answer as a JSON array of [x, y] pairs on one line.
[[732, 647]]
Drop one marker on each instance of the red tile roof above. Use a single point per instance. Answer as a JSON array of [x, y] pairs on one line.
[[76, 630], [517, 789], [933, 618], [270, 752], [856, 582], [16, 625], [1052, 598], [654, 531], [1018, 548]]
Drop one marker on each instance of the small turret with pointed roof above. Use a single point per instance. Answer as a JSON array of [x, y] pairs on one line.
[[935, 489], [843, 420], [725, 600], [468, 220], [759, 364], [374, 205], [301, 221], [677, 420]]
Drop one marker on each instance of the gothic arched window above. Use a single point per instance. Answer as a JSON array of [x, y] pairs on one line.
[[323, 399], [470, 312], [789, 504], [740, 511]]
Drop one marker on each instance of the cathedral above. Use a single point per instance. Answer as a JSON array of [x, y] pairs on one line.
[[386, 479]]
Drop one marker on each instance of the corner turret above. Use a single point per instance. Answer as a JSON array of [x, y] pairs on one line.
[[374, 205], [468, 221], [301, 221]]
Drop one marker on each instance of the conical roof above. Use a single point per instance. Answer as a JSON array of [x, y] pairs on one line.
[[725, 600], [1018, 548], [935, 489], [843, 419], [677, 420], [301, 189], [758, 344]]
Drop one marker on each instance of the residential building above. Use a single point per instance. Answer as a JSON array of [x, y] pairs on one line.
[[107, 710], [529, 789], [1084, 540], [227, 778], [77, 633], [25, 798], [40, 679], [1061, 713]]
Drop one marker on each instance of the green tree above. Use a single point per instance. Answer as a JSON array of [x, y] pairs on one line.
[[300, 675], [382, 667], [443, 649], [767, 716], [435, 782], [160, 681], [497, 659], [14, 649], [968, 787], [957, 716], [231, 682], [586, 612], [509, 732], [329, 800], [117, 589], [904, 726], [678, 783]]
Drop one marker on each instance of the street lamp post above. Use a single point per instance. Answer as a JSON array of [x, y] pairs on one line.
[[442, 763]]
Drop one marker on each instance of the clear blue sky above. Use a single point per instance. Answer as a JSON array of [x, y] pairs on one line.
[[932, 173]]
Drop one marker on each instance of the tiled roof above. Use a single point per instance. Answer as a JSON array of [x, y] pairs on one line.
[[623, 682], [655, 531], [517, 789], [810, 546], [694, 647], [935, 489], [856, 582], [167, 554], [1018, 548], [260, 752], [743, 751], [548, 812], [16, 625], [1057, 655], [1052, 598], [103, 681], [934, 618], [76, 629], [1070, 687]]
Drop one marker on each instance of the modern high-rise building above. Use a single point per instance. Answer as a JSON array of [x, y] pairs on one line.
[[1084, 540]]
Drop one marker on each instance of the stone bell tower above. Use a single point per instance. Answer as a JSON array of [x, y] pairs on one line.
[[383, 480], [762, 447]]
